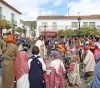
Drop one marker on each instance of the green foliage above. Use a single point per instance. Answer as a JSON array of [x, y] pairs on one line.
[[6, 24], [84, 31], [69, 32], [88, 31], [19, 29], [61, 33]]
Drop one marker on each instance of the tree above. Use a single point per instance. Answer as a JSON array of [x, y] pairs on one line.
[[33, 31], [19, 29], [6, 24], [69, 33], [60, 33]]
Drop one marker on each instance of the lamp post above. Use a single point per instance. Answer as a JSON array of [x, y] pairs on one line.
[[79, 20], [66, 27], [45, 31]]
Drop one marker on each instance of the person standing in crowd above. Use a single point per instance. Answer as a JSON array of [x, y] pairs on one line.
[[97, 48], [63, 43], [55, 79], [88, 61], [40, 44], [96, 78], [73, 72], [21, 68], [92, 46], [37, 68], [8, 73], [2, 49]]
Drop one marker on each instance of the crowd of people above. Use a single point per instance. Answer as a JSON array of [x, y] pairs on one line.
[[20, 71], [86, 51]]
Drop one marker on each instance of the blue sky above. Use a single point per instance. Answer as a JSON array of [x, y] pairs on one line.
[[31, 9]]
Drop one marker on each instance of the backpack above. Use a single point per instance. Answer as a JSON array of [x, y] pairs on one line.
[[36, 77]]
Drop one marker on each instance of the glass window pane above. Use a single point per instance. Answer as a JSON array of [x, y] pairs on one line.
[[44, 23], [91, 24], [85, 24], [54, 25], [74, 24]]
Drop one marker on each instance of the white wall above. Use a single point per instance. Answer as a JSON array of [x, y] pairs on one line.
[[62, 23], [6, 11]]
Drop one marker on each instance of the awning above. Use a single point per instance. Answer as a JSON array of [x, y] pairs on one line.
[[48, 33]]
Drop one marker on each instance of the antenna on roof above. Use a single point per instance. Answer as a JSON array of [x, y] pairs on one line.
[[78, 13], [68, 11]]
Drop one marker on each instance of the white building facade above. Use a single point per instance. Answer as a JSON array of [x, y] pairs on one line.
[[53, 24], [7, 12]]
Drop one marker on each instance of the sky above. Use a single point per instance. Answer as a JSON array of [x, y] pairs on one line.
[[31, 9]]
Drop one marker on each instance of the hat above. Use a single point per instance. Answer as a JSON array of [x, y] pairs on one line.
[[8, 31], [97, 44], [55, 54], [85, 47], [87, 42], [10, 39]]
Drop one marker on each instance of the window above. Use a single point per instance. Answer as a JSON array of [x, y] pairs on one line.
[[12, 18], [85, 24], [44, 23], [0, 13], [74, 24], [91, 24], [54, 25]]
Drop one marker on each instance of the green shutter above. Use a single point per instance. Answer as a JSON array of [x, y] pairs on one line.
[[12, 18], [54, 25], [74, 24], [0, 13], [85, 24], [91, 24]]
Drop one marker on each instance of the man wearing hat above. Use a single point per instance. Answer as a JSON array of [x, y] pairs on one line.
[[89, 61]]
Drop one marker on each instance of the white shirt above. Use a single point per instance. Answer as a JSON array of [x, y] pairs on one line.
[[42, 62], [56, 63]]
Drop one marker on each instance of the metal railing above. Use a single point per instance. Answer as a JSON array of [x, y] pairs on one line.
[[13, 22], [64, 27]]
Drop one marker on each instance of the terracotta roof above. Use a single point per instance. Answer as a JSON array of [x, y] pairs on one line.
[[69, 17], [5, 3]]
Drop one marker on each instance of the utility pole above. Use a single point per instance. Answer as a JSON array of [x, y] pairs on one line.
[[78, 13], [68, 11]]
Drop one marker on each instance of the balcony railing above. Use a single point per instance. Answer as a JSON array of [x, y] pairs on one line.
[[64, 27], [13, 22]]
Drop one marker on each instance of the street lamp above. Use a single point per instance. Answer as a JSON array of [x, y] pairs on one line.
[[79, 20], [66, 27], [45, 31]]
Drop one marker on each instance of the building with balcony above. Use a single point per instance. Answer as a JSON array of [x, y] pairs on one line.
[[51, 24], [7, 12]]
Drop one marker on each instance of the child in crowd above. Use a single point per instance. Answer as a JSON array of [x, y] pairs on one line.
[[73, 72], [55, 79]]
